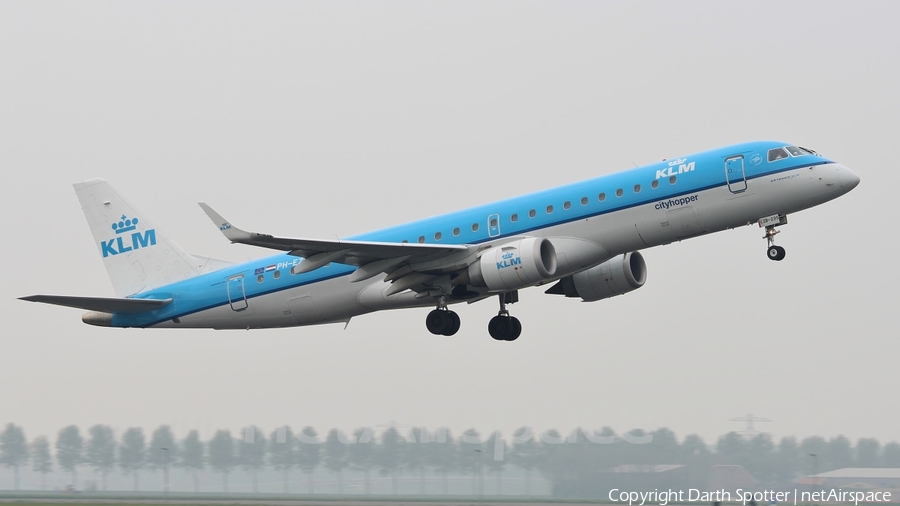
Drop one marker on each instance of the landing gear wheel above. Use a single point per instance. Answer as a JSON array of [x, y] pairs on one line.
[[454, 324], [516, 329], [499, 327], [505, 328], [436, 321], [442, 322], [776, 253]]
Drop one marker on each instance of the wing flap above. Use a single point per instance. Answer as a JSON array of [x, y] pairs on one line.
[[101, 304]]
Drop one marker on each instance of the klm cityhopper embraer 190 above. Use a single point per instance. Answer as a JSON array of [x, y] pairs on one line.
[[585, 237]]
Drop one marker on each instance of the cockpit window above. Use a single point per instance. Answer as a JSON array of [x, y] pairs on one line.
[[777, 154], [797, 151]]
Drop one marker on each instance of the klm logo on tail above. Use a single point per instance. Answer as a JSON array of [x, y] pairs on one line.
[[118, 244]]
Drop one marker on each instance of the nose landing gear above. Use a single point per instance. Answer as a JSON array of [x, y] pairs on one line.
[[504, 327], [774, 252]]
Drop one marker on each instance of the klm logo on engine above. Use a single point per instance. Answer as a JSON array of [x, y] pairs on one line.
[[122, 243], [509, 260], [672, 171]]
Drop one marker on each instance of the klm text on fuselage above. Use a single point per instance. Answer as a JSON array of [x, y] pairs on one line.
[[672, 171]]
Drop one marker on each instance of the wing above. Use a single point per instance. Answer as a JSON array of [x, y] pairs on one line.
[[372, 258], [102, 304]]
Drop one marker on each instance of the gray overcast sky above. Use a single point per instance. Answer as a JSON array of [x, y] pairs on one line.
[[329, 119]]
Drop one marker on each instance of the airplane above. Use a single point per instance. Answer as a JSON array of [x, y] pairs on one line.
[[584, 238]]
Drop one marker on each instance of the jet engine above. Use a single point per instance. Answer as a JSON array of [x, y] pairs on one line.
[[619, 275], [514, 265]]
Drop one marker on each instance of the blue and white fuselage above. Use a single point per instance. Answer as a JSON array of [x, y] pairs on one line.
[[583, 235]]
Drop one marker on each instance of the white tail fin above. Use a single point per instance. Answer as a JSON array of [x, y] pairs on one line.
[[137, 255]]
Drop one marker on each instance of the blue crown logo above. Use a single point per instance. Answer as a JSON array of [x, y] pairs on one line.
[[125, 225]]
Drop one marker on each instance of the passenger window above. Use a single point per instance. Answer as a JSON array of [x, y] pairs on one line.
[[637, 188], [654, 184], [493, 222], [584, 201], [549, 209], [276, 274], [567, 204], [672, 179], [437, 236], [601, 197], [531, 213], [777, 154], [456, 231], [474, 227], [259, 279], [421, 239], [619, 192], [514, 218]]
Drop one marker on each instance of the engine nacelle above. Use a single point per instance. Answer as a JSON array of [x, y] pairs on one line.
[[619, 275], [514, 265]]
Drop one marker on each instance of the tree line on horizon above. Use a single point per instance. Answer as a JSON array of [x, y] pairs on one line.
[[555, 456]]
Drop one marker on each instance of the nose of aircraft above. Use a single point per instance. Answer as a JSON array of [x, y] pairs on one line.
[[849, 179]]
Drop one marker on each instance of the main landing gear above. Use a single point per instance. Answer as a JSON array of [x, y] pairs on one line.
[[442, 321], [504, 327], [773, 252]]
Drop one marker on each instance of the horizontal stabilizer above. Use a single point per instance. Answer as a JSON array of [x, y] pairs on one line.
[[102, 304]]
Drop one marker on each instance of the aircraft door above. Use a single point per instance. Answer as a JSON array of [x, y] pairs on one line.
[[237, 297], [734, 174], [494, 225]]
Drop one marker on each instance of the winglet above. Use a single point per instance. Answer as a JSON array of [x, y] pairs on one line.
[[231, 232]]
